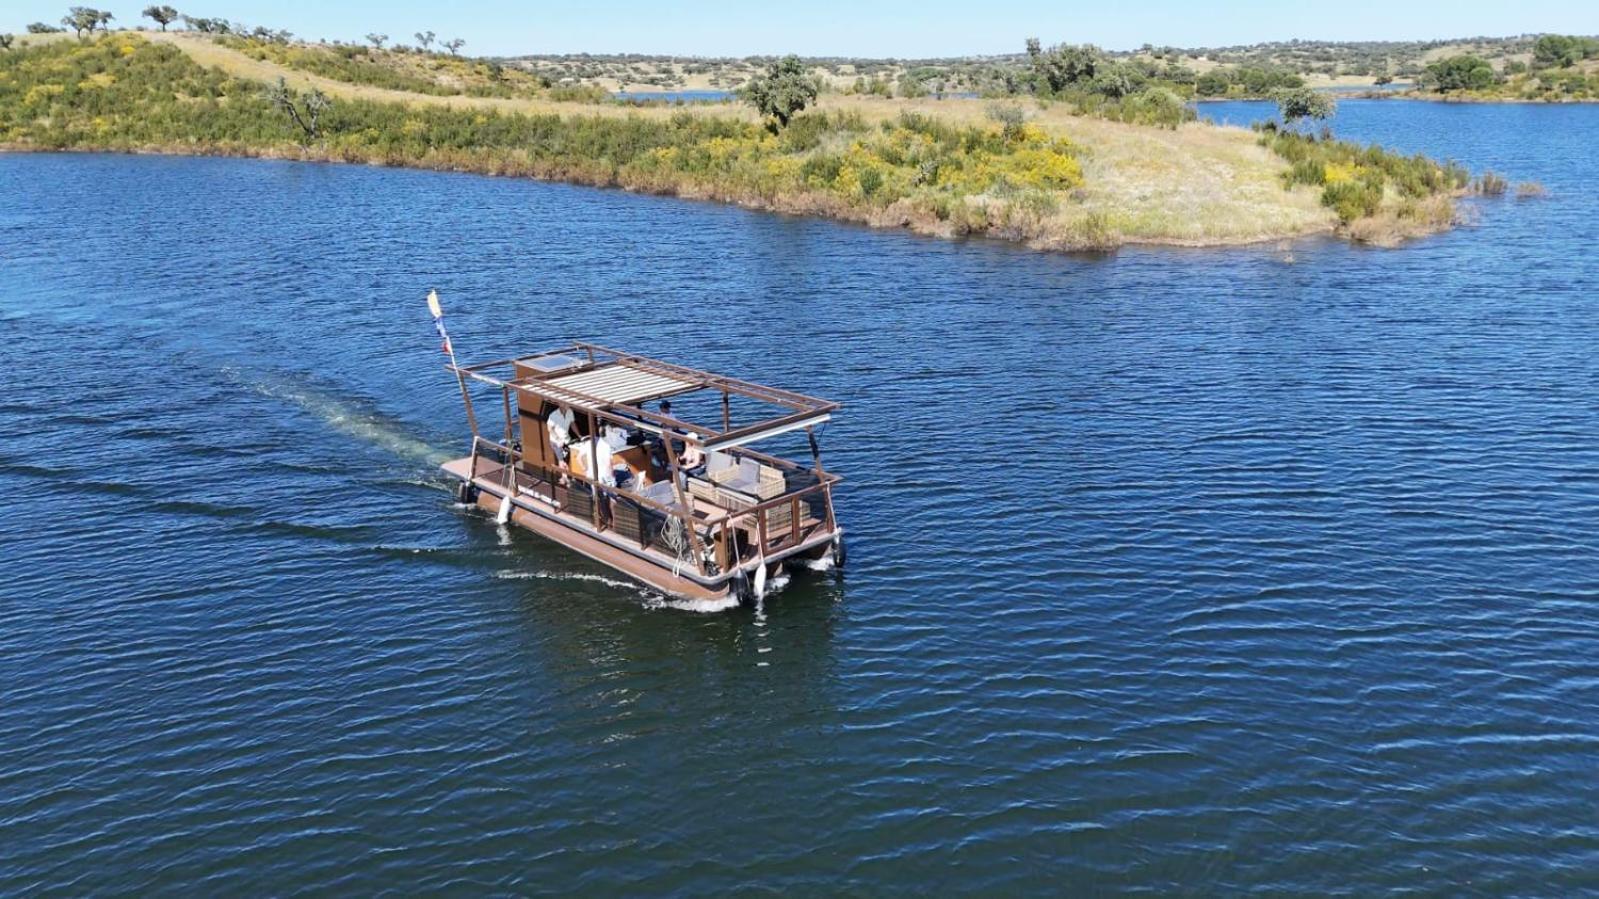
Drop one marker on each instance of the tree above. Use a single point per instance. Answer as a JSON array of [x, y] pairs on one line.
[[1115, 81], [1556, 51], [1064, 65], [781, 91], [424, 39], [1211, 84], [1384, 79], [42, 28], [1465, 72], [376, 40], [83, 19], [163, 15], [5, 41], [305, 110], [454, 46], [1297, 103]]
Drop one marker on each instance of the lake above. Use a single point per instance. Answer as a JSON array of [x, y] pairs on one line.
[[1273, 567]]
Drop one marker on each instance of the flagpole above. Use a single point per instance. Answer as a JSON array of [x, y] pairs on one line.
[[449, 349]]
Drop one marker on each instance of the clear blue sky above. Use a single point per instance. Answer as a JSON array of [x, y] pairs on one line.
[[863, 28]]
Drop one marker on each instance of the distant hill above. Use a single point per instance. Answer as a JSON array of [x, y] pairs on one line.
[[1319, 63]]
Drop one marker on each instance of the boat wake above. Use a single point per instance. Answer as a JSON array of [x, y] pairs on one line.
[[365, 425], [651, 599], [514, 575], [700, 606]]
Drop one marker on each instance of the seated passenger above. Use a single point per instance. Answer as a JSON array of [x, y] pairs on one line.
[[594, 457], [692, 457]]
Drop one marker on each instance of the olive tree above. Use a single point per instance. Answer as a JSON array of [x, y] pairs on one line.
[[1295, 103], [1064, 65], [781, 91], [85, 19], [162, 15]]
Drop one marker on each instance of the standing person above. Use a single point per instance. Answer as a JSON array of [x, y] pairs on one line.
[[559, 426]]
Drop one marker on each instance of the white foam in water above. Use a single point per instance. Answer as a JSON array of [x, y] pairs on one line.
[[651, 599], [702, 606], [565, 576]]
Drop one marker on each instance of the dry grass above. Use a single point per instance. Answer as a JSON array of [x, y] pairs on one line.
[[1396, 223], [207, 52], [1198, 185]]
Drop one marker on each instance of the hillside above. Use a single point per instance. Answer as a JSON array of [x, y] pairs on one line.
[[1035, 172], [1343, 64]]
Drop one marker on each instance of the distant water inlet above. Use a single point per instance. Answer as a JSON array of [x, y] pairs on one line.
[[1269, 568]]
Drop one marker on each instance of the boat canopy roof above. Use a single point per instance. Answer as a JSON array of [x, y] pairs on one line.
[[596, 379]]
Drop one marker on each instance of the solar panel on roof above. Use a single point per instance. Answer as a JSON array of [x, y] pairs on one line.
[[552, 363]]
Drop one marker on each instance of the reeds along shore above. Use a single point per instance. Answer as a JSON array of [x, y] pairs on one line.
[[1003, 173]]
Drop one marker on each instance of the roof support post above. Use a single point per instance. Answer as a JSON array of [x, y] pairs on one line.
[[593, 467], [510, 443], [821, 475], [466, 397], [684, 503]]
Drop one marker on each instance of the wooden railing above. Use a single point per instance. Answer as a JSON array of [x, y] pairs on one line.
[[491, 460]]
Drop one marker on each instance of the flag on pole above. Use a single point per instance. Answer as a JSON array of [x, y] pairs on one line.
[[438, 322]]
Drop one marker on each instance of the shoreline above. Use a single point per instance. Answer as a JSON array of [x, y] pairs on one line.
[[1058, 181], [816, 207]]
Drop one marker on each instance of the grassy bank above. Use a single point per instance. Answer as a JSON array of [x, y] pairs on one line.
[[1379, 196], [1024, 172]]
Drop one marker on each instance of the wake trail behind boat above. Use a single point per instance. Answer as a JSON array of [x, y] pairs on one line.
[[345, 417]]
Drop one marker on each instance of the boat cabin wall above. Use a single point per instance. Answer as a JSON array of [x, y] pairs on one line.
[[531, 414]]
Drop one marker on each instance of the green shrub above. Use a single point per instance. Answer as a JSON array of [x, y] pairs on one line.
[[1355, 179], [1352, 199], [1009, 116], [1307, 171]]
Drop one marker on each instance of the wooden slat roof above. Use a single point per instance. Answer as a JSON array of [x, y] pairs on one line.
[[614, 385]]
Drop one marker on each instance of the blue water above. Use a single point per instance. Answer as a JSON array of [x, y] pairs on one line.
[[683, 96], [1270, 568]]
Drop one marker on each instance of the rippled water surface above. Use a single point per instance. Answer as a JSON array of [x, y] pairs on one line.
[[1269, 567]]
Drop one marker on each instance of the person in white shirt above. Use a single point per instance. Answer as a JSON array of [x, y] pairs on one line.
[[559, 425], [692, 456], [600, 467]]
